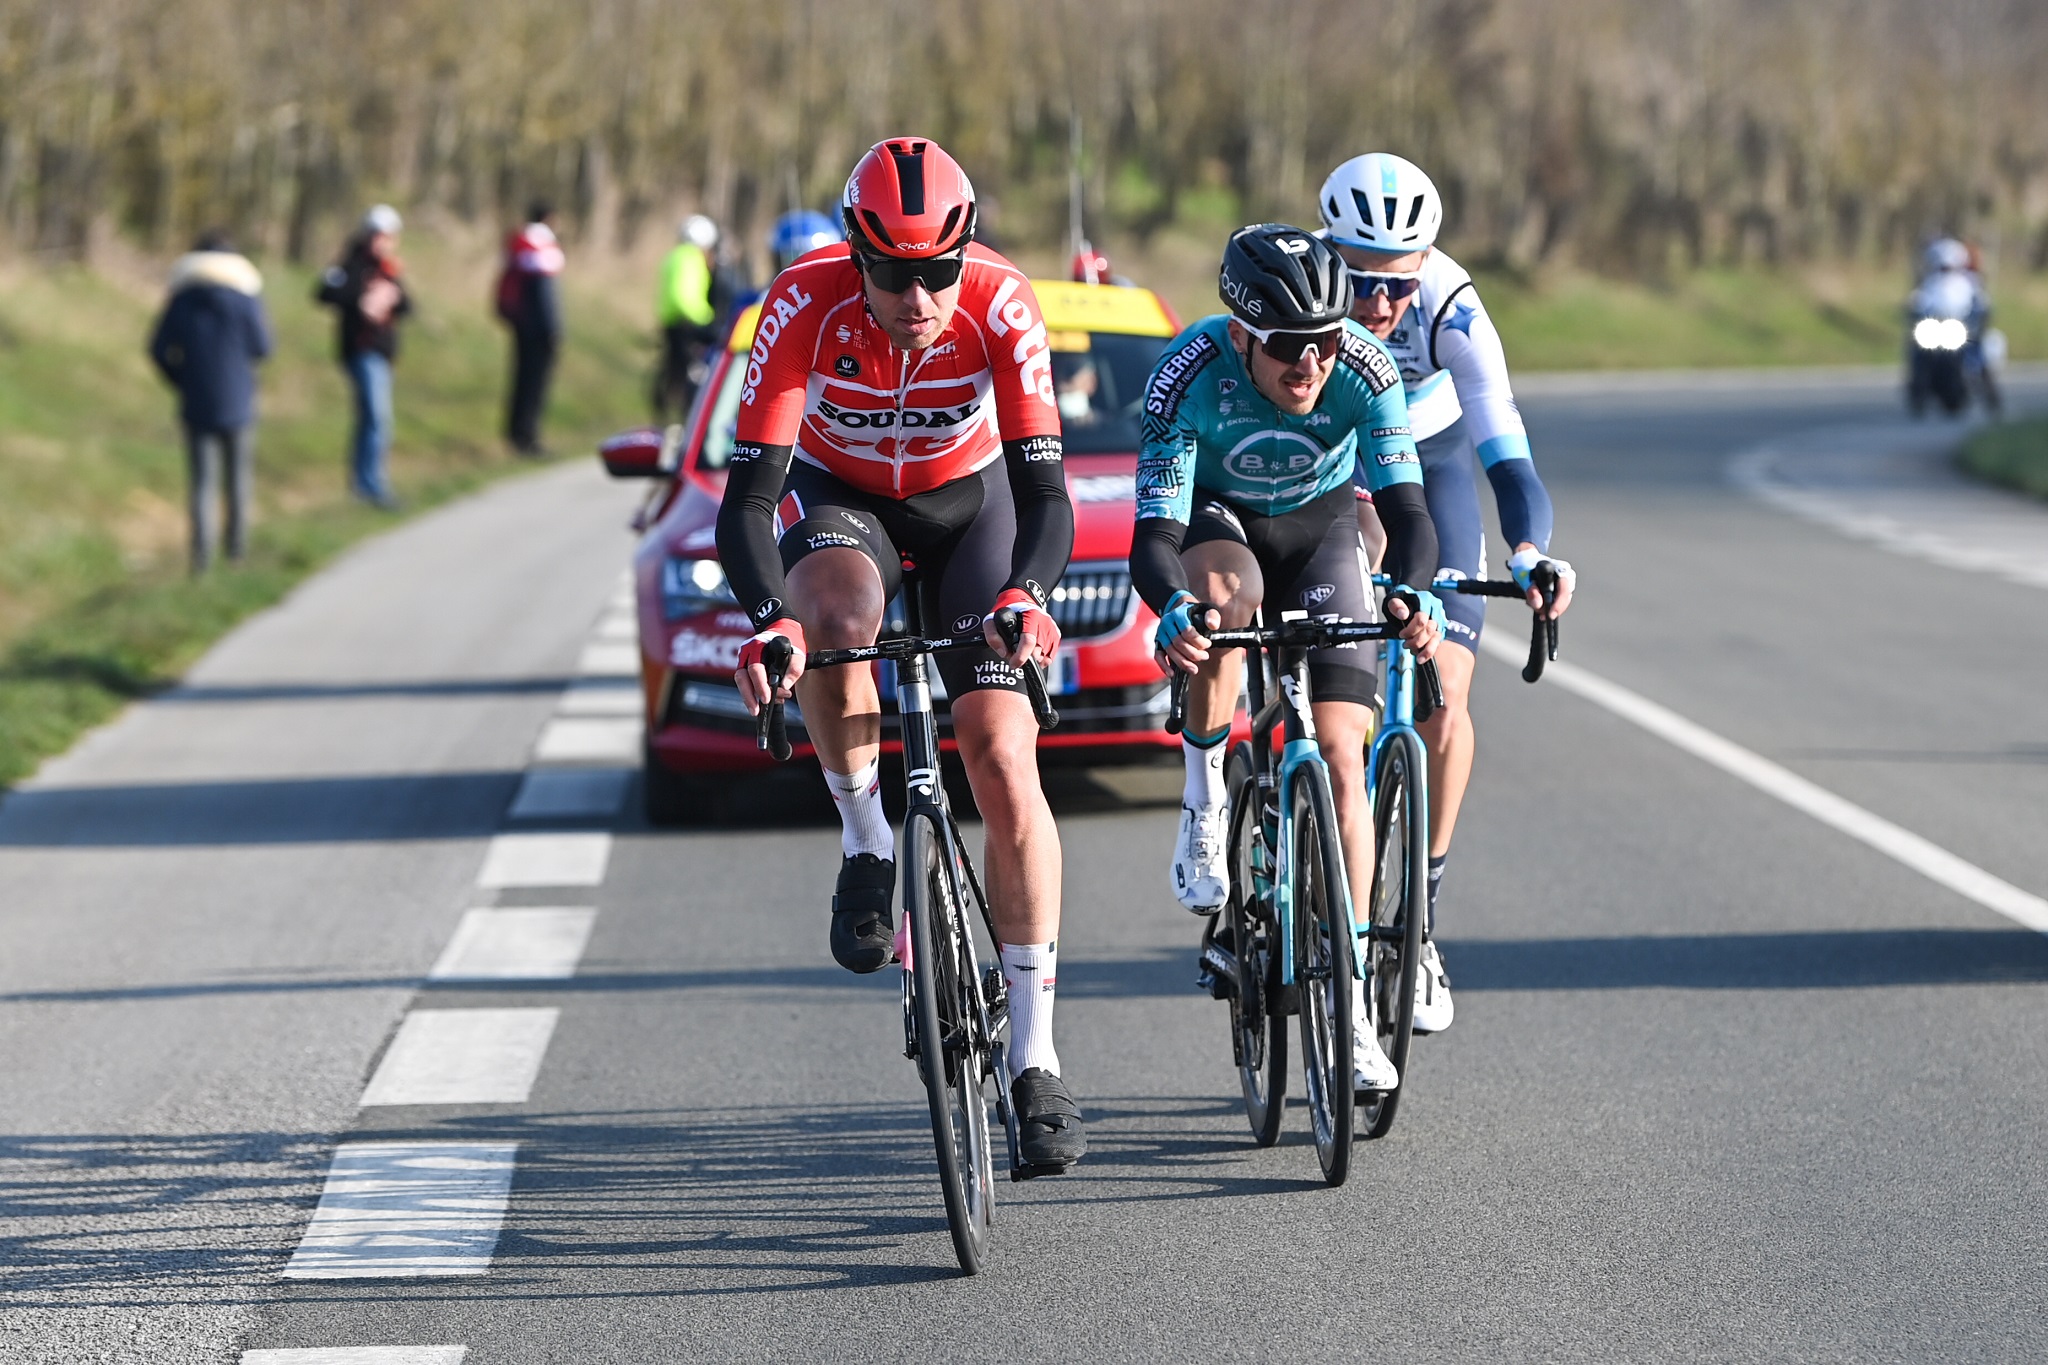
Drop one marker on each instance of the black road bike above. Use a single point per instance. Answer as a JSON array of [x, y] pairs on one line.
[[955, 1012]]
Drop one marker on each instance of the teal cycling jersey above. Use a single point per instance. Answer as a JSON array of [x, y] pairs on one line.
[[1207, 427]]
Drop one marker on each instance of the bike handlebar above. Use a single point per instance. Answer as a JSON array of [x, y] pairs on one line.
[[771, 726], [1311, 634], [1542, 627]]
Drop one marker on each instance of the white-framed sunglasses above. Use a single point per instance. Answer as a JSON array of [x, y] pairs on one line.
[[1395, 284], [1289, 347]]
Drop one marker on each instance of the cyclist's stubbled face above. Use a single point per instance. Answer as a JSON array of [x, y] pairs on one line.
[[1376, 312], [915, 318], [1292, 388]]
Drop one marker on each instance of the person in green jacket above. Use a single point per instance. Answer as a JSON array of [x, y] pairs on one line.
[[688, 317]]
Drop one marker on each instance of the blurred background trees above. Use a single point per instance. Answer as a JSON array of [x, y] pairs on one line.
[[1635, 137]]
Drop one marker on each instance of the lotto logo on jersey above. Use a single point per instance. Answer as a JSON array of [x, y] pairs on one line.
[[1010, 319]]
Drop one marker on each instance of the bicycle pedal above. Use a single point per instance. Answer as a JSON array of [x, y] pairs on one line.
[[1027, 1171]]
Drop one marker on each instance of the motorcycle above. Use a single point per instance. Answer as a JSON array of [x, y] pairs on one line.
[[1949, 354]]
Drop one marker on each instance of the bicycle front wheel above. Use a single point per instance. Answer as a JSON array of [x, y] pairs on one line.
[[952, 1049], [1258, 1039], [1399, 904], [1323, 970]]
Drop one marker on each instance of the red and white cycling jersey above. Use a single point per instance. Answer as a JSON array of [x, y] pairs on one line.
[[824, 377]]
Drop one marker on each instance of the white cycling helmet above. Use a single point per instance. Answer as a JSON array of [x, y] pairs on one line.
[[698, 231], [1382, 203]]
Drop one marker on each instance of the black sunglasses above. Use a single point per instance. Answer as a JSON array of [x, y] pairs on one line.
[[894, 275], [1289, 347]]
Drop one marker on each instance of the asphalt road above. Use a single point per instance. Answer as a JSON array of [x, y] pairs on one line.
[[1724, 1084]]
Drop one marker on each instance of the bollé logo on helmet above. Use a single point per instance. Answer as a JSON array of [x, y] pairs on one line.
[[1293, 246], [1242, 296]]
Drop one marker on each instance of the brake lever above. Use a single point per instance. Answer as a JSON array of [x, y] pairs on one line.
[[771, 726], [1543, 628], [1010, 625]]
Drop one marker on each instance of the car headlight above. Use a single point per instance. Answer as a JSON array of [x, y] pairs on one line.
[[691, 586]]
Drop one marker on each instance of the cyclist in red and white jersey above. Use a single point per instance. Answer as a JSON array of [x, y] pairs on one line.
[[898, 404]]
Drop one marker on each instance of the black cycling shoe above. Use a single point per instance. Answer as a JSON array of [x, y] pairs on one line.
[[863, 929], [1048, 1124]]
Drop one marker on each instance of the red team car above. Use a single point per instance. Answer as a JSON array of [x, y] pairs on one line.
[[1112, 699]]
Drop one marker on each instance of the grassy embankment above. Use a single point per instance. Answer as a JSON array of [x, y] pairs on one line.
[[96, 606], [2014, 454]]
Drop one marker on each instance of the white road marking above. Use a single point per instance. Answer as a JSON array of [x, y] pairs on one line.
[[618, 626], [407, 1209], [359, 1355], [533, 943], [582, 739], [545, 860], [1901, 845], [1894, 488], [463, 1057], [562, 793], [601, 698], [602, 660]]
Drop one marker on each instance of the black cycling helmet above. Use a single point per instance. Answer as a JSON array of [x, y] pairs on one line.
[[1280, 277]]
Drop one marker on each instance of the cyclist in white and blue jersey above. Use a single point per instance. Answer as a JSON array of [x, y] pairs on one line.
[[1382, 214], [1254, 424]]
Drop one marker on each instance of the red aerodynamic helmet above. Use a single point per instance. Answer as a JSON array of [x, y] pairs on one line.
[[908, 198]]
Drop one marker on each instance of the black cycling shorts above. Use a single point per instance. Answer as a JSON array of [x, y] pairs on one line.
[[959, 535], [1313, 562]]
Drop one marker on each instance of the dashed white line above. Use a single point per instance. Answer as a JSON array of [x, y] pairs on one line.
[[359, 1355], [514, 860], [609, 660], [618, 625], [588, 740], [395, 1209], [570, 793], [1901, 845], [600, 697], [463, 1057], [534, 943]]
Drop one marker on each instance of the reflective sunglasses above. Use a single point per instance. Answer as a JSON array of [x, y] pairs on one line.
[[894, 275], [1395, 285], [1289, 347]]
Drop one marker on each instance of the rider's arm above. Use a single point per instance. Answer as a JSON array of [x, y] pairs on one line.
[[1045, 515], [1393, 475], [1166, 498], [1466, 344], [771, 410]]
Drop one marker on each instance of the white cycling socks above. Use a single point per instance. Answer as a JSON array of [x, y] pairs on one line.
[[1029, 969], [1204, 790], [863, 826]]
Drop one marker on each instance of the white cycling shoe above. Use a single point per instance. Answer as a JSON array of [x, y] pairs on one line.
[[1201, 879], [1433, 1009], [1371, 1068]]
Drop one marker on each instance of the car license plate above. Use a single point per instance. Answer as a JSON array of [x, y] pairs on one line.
[[1063, 679]]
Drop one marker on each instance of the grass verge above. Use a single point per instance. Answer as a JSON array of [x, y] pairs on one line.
[[2014, 454], [96, 605]]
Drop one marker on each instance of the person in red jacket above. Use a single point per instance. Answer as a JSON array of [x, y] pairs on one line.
[[530, 304], [898, 400]]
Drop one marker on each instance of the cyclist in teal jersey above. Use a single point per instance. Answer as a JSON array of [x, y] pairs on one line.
[[1254, 424]]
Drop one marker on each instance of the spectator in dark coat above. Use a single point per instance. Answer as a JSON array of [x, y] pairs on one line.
[[207, 343], [367, 290], [530, 303]]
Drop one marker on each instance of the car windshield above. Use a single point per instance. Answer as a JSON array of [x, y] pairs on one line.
[[1098, 379]]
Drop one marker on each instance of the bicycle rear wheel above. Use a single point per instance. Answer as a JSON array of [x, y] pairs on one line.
[[1400, 902], [1258, 1038], [1322, 969], [952, 1050]]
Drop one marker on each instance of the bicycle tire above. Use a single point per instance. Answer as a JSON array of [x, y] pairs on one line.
[[1323, 970], [1258, 1039], [952, 1056], [1400, 905]]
